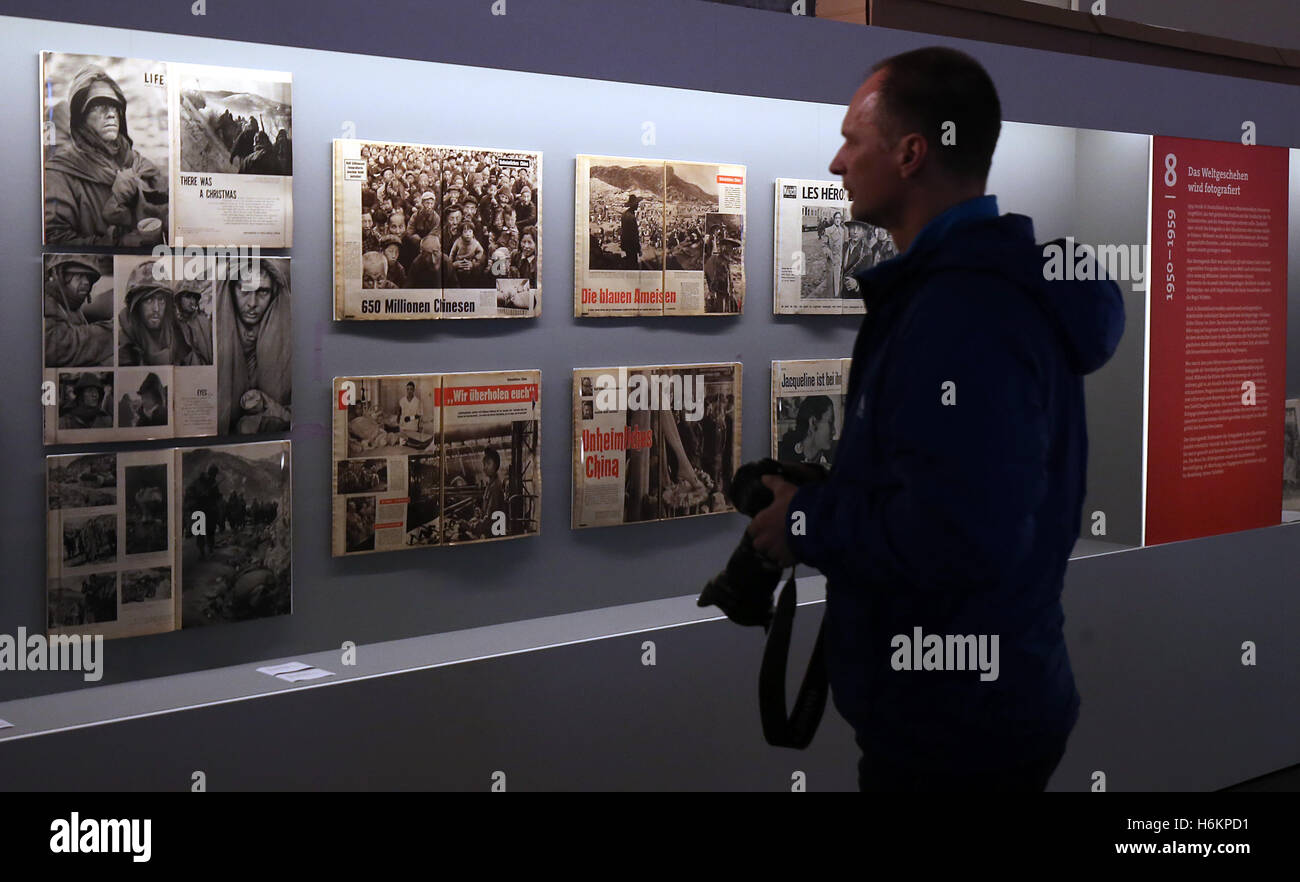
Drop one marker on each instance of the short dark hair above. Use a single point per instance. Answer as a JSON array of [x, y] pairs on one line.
[[491, 453], [925, 88]]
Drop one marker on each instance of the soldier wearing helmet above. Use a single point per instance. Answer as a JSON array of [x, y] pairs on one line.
[[87, 410], [98, 188], [77, 332], [147, 323]]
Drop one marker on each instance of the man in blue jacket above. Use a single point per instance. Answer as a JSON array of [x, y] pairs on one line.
[[956, 494]]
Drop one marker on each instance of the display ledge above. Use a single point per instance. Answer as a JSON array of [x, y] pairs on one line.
[[100, 705]]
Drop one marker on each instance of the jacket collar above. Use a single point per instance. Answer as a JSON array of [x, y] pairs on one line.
[[877, 281]]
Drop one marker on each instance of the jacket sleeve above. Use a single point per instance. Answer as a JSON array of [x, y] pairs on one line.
[[68, 344], [963, 467]]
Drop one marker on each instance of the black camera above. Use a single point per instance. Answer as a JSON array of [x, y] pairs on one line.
[[744, 590]]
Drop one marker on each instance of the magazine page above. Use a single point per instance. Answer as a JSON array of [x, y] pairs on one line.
[[613, 450], [110, 552], [232, 155], [118, 312], [387, 490], [808, 409], [120, 198], [654, 442], [819, 248], [234, 510], [252, 320], [704, 239], [808, 251], [491, 221], [491, 471], [618, 227], [698, 419], [427, 232]]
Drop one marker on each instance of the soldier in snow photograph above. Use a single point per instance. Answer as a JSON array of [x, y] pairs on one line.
[[236, 126], [146, 407], [78, 309], [84, 400], [193, 322], [99, 188], [147, 329], [254, 379]]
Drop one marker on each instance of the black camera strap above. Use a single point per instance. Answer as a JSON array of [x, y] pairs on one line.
[[798, 728]]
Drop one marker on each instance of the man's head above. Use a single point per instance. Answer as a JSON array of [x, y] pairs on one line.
[[919, 131], [151, 308], [491, 462], [78, 275], [187, 301], [89, 390], [104, 115], [374, 269], [410, 391], [254, 293]]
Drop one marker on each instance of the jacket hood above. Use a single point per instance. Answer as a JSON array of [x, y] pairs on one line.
[[1087, 314], [80, 90]]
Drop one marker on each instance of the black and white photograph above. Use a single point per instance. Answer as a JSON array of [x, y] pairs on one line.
[[491, 481], [435, 220], [402, 233], [86, 481], [491, 472], [362, 476], [393, 416], [195, 298], [867, 246], [239, 566], [106, 148], [697, 456], [490, 217], [254, 347], [81, 600], [808, 428], [142, 405], [808, 409], [78, 310], [148, 332], [89, 540], [424, 511], [625, 214], [724, 263], [146, 508], [691, 195], [825, 240], [146, 585], [359, 530], [85, 400], [231, 125], [819, 249]]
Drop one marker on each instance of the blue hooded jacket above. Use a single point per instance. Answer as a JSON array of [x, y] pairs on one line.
[[956, 494]]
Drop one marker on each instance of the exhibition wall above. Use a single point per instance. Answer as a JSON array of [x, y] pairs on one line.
[[435, 590], [385, 597]]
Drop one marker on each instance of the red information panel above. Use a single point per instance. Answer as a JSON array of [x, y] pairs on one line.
[[1217, 374]]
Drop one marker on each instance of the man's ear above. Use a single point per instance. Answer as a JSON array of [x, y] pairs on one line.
[[911, 153]]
